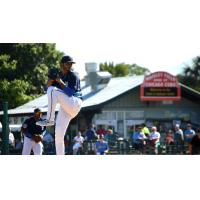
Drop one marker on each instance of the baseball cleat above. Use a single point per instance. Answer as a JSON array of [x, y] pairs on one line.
[[45, 123]]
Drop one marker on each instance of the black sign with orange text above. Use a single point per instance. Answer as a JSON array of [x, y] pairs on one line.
[[160, 86]]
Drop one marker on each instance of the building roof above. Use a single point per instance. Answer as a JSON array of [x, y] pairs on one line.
[[116, 87]]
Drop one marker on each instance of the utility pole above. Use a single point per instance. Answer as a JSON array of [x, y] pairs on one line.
[[5, 130]]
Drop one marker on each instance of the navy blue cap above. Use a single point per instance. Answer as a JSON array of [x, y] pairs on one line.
[[67, 59]]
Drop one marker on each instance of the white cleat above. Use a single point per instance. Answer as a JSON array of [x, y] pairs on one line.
[[45, 123]]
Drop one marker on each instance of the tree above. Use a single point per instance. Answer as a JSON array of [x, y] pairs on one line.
[[135, 69], [7, 67], [108, 67], [14, 92], [24, 67], [122, 69], [191, 74]]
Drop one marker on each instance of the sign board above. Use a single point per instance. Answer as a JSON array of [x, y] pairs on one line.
[[160, 86]]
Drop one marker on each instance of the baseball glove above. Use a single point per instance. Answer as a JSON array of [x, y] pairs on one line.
[[53, 73], [37, 138]]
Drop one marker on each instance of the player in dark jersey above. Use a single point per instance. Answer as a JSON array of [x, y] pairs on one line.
[[32, 131], [66, 91]]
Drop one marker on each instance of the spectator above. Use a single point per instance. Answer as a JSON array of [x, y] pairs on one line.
[[11, 139], [101, 130], [18, 144], [169, 138], [67, 144], [91, 133], [138, 139], [78, 143], [48, 138], [48, 142], [188, 134], [194, 145], [145, 130], [108, 133], [178, 135], [154, 139], [101, 146], [178, 138], [110, 137]]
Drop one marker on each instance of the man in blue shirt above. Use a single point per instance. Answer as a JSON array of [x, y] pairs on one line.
[[63, 89], [138, 138], [188, 134], [91, 135], [101, 146]]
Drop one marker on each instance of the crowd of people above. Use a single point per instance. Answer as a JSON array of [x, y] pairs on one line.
[[98, 140], [27, 144], [176, 137], [94, 141], [142, 137]]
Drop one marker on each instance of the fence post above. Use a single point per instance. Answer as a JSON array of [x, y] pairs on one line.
[[5, 130]]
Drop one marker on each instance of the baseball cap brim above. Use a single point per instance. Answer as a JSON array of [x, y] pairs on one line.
[[71, 62], [67, 59]]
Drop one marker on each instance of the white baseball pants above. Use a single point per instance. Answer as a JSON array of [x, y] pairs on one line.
[[32, 145], [69, 108]]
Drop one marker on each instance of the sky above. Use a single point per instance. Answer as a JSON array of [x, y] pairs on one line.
[[156, 34]]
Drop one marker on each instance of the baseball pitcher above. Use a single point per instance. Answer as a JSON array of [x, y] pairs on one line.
[[63, 88]]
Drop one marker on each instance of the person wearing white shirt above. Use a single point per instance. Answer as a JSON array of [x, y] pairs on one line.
[[11, 139], [78, 143], [154, 138]]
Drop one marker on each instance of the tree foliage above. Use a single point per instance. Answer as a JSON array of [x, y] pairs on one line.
[[135, 69], [14, 92], [122, 69], [191, 74], [23, 70]]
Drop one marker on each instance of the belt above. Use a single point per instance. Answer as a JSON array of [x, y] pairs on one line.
[[28, 135]]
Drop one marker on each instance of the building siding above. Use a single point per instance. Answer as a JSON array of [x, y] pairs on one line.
[[132, 100]]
